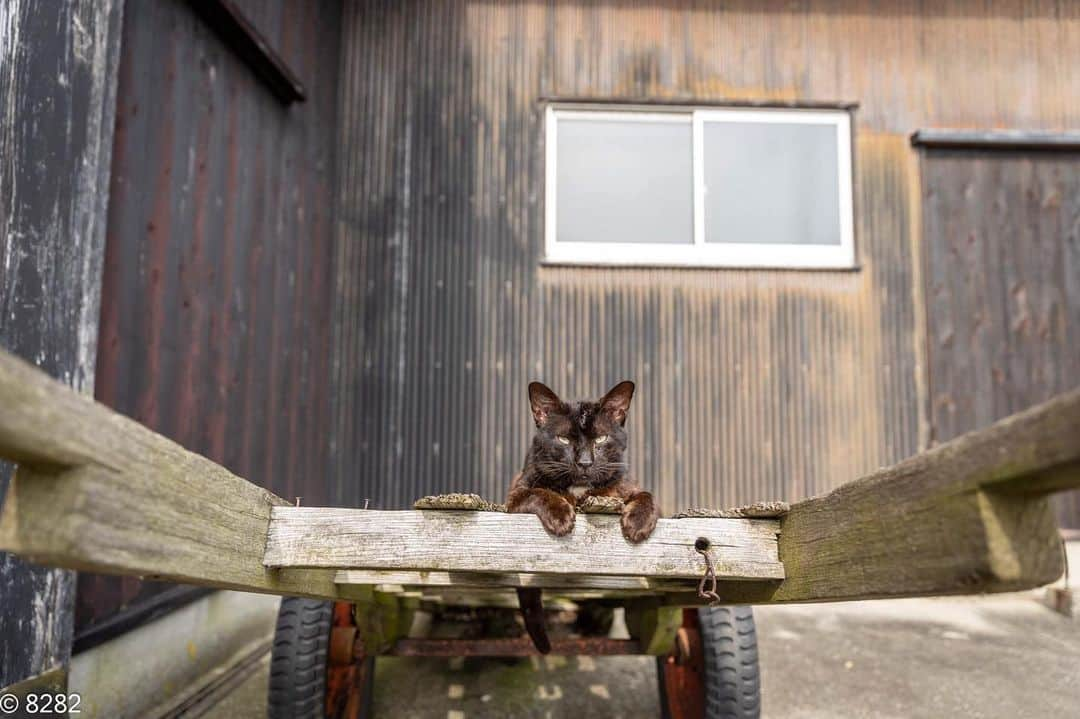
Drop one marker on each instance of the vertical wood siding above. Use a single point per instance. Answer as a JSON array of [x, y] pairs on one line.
[[217, 284], [752, 384], [1002, 234], [57, 83]]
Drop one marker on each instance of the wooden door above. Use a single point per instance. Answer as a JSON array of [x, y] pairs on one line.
[[1002, 273]]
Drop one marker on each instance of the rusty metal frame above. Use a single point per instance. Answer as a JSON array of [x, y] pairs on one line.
[[519, 647], [348, 673], [681, 674]]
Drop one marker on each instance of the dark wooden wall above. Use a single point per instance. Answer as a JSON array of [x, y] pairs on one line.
[[1002, 231], [752, 384], [217, 282], [57, 79]]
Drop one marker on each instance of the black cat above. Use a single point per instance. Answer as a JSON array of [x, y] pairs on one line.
[[579, 451]]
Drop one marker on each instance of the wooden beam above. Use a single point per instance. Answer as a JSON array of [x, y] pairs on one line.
[[965, 517], [459, 541], [228, 22], [653, 625], [380, 620], [96, 491], [947, 139], [99, 492], [412, 578]]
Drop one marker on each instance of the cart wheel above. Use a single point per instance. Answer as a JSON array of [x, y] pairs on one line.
[[713, 672], [315, 672]]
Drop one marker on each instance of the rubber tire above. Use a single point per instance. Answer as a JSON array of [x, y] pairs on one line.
[[298, 659], [732, 676]]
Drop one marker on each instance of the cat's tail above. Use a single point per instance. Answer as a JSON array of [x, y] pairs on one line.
[[532, 611]]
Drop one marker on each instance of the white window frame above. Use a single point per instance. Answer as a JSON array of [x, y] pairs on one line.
[[700, 253]]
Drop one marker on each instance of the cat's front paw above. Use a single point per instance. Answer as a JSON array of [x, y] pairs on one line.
[[639, 519], [557, 518]]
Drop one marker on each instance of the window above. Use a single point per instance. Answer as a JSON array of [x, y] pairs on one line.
[[699, 187]]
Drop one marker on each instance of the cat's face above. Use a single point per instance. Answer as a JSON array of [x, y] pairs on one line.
[[581, 443]]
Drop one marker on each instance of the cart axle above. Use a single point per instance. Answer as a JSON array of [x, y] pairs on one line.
[[521, 647]]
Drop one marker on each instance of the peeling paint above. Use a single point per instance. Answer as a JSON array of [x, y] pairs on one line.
[[57, 61]]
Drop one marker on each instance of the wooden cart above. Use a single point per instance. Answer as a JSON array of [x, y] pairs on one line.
[[96, 491]]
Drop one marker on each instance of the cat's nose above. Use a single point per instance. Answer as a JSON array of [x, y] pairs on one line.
[[584, 460]]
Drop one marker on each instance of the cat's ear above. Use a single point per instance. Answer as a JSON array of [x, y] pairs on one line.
[[616, 402], [543, 402]]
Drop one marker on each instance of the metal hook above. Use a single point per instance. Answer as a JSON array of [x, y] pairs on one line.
[[710, 576]]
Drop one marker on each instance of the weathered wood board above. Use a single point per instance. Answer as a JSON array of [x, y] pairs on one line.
[[97, 491], [413, 578], [965, 517], [458, 541], [58, 103]]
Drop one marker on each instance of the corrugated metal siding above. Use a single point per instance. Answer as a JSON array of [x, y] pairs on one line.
[[753, 384], [217, 286], [1003, 287]]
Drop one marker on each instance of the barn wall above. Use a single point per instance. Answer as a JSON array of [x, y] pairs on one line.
[[217, 282], [752, 384], [57, 84]]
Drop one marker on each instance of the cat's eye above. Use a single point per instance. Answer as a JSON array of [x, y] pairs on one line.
[[564, 440], [601, 439]]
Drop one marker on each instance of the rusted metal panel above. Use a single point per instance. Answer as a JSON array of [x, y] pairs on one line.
[[681, 674], [57, 79], [751, 384], [240, 35], [217, 283], [1003, 286]]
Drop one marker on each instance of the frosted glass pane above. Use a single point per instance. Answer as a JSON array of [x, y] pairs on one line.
[[624, 181], [771, 183]]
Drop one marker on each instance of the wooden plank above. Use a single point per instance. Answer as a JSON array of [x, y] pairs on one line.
[[414, 578], [238, 33], [992, 279], [457, 541], [96, 491], [380, 620], [965, 517], [653, 625], [570, 592]]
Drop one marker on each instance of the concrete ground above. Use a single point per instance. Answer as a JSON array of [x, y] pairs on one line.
[[977, 657]]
